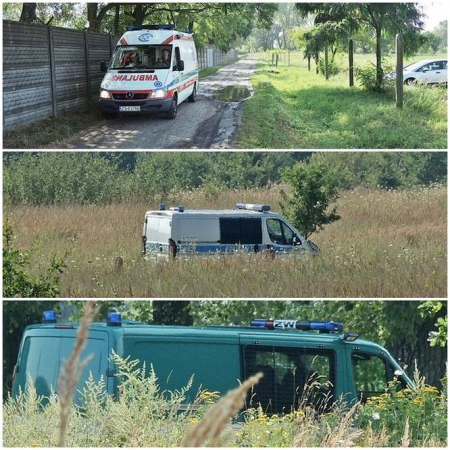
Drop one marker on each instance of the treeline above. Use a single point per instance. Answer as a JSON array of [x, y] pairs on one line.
[[98, 178]]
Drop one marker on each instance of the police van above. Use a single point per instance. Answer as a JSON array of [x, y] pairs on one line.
[[292, 355], [248, 228], [153, 69]]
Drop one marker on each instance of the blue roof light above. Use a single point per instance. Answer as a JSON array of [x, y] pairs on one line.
[[114, 319], [162, 207], [181, 209], [252, 207], [49, 317], [304, 325]]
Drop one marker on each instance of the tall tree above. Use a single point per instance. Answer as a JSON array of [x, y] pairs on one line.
[[387, 18], [28, 12]]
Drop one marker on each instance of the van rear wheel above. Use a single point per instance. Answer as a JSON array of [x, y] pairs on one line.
[[172, 113], [193, 97]]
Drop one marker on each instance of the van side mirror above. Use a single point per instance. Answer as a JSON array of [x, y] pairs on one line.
[[180, 66], [103, 66], [296, 241]]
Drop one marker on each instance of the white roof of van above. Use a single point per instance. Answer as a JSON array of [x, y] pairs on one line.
[[211, 212], [153, 37]]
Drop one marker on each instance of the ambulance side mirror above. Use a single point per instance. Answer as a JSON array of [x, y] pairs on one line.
[[296, 241], [103, 66], [180, 66]]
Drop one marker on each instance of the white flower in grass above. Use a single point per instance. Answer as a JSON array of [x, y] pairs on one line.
[[376, 416], [398, 373]]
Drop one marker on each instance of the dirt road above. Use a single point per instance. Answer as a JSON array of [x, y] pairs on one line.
[[207, 123]]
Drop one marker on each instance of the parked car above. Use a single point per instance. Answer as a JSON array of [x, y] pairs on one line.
[[290, 353], [428, 71], [249, 228], [153, 69]]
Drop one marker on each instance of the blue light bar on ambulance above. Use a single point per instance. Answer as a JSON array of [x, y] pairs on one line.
[[169, 26], [49, 317], [162, 207], [304, 325], [251, 207], [114, 319]]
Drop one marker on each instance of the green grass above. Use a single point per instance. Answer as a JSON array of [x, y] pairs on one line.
[[294, 108], [49, 132]]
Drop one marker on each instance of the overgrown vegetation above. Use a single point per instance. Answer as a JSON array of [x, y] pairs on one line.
[[387, 244], [295, 108], [144, 416]]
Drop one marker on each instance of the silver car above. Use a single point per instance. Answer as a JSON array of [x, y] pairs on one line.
[[427, 71]]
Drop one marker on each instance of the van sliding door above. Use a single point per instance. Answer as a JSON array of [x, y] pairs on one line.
[[292, 377]]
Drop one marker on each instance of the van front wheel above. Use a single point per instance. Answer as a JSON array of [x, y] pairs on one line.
[[193, 97], [172, 113]]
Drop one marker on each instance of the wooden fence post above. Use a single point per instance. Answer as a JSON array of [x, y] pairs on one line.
[[351, 80], [273, 58], [276, 60], [326, 62], [399, 70], [317, 63], [88, 70], [309, 63], [51, 50]]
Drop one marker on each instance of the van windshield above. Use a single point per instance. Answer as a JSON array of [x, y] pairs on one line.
[[141, 57]]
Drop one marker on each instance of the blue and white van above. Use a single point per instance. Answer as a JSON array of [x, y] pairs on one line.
[[153, 69], [248, 228]]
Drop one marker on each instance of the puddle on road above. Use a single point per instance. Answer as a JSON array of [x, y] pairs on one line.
[[232, 94]]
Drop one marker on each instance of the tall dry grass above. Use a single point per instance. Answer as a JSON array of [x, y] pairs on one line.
[[387, 244]]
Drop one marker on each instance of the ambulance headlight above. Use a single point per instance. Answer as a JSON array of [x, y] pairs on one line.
[[105, 94], [158, 94]]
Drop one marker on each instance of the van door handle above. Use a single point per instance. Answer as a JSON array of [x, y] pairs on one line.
[[438, 72]]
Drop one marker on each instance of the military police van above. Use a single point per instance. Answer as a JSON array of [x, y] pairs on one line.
[[291, 355], [153, 69], [249, 228]]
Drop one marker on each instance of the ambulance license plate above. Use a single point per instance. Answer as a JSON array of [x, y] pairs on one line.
[[129, 108]]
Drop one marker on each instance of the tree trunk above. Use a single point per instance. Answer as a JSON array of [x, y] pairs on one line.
[[92, 13], [379, 79], [138, 14], [317, 63], [172, 313], [28, 12], [431, 361], [116, 20]]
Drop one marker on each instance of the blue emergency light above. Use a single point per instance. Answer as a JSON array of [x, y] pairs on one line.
[[304, 325], [252, 207], [49, 317], [177, 208], [162, 207], [114, 319], [169, 26]]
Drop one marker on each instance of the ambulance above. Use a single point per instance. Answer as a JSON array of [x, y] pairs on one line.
[[249, 228], [153, 69], [291, 354]]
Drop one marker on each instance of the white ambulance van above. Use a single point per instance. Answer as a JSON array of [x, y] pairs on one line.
[[248, 228], [153, 69]]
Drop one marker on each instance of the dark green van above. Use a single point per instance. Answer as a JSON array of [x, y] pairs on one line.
[[341, 365]]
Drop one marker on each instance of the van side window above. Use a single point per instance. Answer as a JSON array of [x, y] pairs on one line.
[[238, 230], [370, 374], [292, 377], [177, 58], [279, 232]]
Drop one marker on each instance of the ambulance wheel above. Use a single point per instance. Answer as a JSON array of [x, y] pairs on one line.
[[172, 113], [109, 115], [193, 96]]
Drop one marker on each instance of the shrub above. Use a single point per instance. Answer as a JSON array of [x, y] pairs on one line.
[[367, 77], [333, 68]]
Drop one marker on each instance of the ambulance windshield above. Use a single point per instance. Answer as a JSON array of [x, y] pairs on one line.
[[141, 57]]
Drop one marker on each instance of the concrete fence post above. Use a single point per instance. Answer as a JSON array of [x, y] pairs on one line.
[[51, 50], [399, 70], [350, 63], [88, 69]]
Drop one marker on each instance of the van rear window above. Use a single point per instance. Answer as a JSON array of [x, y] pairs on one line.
[[293, 377], [240, 230]]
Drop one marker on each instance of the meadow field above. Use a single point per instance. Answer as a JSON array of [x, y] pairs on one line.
[[387, 244], [296, 108]]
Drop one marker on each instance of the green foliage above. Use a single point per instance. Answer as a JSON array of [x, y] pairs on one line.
[[313, 191], [63, 177], [367, 77], [17, 279], [431, 309], [333, 68]]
